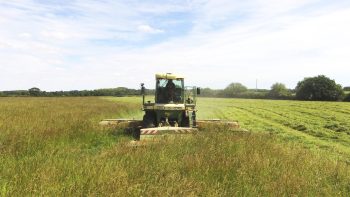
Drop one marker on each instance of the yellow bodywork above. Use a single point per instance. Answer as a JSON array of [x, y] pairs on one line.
[[165, 107], [168, 76]]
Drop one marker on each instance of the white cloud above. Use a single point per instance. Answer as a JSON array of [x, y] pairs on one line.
[[149, 29], [84, 45], [56, 35], [25, 35]]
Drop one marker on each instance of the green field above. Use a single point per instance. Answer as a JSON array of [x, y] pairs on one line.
[[322, 125], [54, 146]]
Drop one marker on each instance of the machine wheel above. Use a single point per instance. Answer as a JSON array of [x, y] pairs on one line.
[[148, 120], [185, 121], [194, 120], [136, 134]]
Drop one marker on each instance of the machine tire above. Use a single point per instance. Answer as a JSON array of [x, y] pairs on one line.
[[185, 121], [148, 120], [136, 134], [194, 119]]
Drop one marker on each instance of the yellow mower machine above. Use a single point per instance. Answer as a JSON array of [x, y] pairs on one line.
[[173, 112]]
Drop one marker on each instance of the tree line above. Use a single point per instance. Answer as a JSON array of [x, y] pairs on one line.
[[319, 88], [120, 91]]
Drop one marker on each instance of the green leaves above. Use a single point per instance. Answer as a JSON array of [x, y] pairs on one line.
[[319, 88], [234, 89], [279, 91]]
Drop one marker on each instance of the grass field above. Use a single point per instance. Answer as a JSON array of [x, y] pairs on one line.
[[54, 146], [322, 125]]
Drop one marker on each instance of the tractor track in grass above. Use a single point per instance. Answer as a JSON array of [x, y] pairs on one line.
[[317, 119], [323, 108], [271, 125], [320, 113], [309, 125]]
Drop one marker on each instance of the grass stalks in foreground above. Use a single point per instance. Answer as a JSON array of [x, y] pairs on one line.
[[54, 147]]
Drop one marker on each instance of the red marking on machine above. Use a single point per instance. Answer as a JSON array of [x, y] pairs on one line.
[[169, 130]]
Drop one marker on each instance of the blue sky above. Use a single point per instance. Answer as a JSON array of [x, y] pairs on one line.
[[86, 44]]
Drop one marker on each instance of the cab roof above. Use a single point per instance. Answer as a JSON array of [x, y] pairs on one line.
[[168, 76]]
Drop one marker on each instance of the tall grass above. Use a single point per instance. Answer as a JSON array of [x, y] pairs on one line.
[[54, 147]]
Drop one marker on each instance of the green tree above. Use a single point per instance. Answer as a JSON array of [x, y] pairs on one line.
[[235, 90], [279, 91], [34, 91], [319, 88]]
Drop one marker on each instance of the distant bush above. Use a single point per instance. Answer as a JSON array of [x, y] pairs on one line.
[[347, 98], [34, 91], [234, 90], [279, 91], [319, 88], [14, 93], [346, 88], [207, 92], [120, 91], [249, 93]]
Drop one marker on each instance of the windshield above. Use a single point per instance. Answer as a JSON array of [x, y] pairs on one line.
[[163, 83], [169, 91]]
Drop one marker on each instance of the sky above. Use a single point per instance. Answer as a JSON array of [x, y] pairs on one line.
[[91, 44]]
